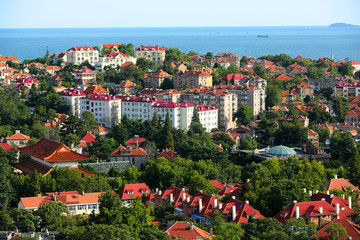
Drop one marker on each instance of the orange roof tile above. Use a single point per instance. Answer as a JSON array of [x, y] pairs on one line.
[[127, 84], [18, 136], [340, 184], [352, 230], [95, 89], [183, 230], [133, 152]]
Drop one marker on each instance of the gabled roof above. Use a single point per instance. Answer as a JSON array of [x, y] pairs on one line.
[[116, 54], [127, 84], [303, 85], [100, 129], [208, 203], [85, 70], [184, 230], [150, 48], [110, 46], [95, 89], [333, 200], [235, 76], [127, 64], [85, 48], [159, 74], [312, 133], [5, 146], [283, 77], [133, 190], [179, 195], [168, 154], [55, 68], [71, 92], [18, 136], [340, 184], [135, 141], [242, 209], [352, 230], [216, 184], [68, 198], [88, 138], [51, 151], [8, 58], [123, 151]]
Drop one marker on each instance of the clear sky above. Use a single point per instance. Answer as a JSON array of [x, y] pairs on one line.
[[183, 13]]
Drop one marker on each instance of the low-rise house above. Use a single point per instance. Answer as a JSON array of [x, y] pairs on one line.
[[85, 141], [52, 70], [131, 191], [193, 79], [100, 130], [188, 231], [84, 203], [168, 154], [154, 80], [56, 122], [135, 142], [232, 79], [56, 79], [315, 211], [200, 208], [18, 139], [137, 156], [126, 87], [96, 89], [340, 184], [84, 76], [239, 212], [352, 230], [173, 196], [312, 134], [353, 116], [4, 59], [304, 121]]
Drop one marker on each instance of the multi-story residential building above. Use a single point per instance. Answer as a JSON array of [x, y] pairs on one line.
[[169, 95], [347, 90], [113, 60], [208, 117], [84, 76], [154, 80], [72, 96], [353, 116], [230, 57], [356, 66], [131, 191], [105, 108], [137, 107], [78, 55], [225, 101], [155, 54], [83, 204], [192, 79]]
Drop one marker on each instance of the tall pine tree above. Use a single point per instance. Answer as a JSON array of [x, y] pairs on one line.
[[6, 190], [155, 121], [195, 118], [168, 138]]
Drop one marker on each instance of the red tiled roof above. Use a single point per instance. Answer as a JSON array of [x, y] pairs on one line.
[[159, 74], [135, 188], [135, 141], [5, 146], [8, 58], [303, 85], [340, 184], [71, 92], [333, 200], [127, 64], [110, 46], [235, 76], [100, 129], [122, 151], [312, 133], [86, 48], [150, 48], [216, 184], [88, 138], [18, 136], [115, 54], [242, 209], [127, 84], [183, 230], [56, 68], [51, 151], [179, 195], [168, 154], [85, 70], [283, 77], [101, 97], [202, 108], [95, 89], [352, 230], [68, 198]]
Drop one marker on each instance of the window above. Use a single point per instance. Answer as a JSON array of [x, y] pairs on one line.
[[71, 208], [92, 206], [81, 207]]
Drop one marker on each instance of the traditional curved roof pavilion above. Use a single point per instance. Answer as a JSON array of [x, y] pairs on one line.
[[281, 151]]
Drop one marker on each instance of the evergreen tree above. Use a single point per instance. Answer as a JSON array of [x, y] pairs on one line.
[[354, 168], [195, 117], [168, 138], [6, 190], [47, 51], [155, 121]]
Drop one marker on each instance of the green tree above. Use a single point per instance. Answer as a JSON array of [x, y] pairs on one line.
[[145, 64], [51, 215], [272, 96], [103, 148], [346, 69], [341, 108], [337, 231], [111, 211], [155, 121], [168, 138], [326, 92], [243, 115], [120, 133], [354, 168], [224, 230], [342, 146], [292, 135], [167, 84], [6, 189], [319, 115]]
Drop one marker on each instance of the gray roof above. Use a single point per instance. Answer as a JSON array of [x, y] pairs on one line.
[[105, 166], [281, 151]]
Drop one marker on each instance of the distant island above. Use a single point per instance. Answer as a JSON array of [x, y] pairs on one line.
[[342, 25]]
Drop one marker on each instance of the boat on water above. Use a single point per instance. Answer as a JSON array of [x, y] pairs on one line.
[[264, 36]]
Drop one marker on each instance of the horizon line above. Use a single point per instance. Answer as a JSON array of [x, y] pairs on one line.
[[171, 27]]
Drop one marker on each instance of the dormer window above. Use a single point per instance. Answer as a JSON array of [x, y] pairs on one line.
[[130, 192], [143, 192]]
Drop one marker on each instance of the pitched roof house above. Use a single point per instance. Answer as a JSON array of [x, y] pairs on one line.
[[188, 231], [137, 156], [18, 139], [131, 191], [352, 230], [239, 212]]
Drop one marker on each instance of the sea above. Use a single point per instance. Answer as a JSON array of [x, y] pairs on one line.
[[309, 42]]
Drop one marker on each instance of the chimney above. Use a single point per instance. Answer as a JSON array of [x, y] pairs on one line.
[[201, 191], [247, 180], [215, 203], [310, 193], [349, 200], [184, 196], [316, 192], [160, 192], [233, 197], [337, 210], [54, 197], [320, 210], [247, 202], [343, 196], [331, 195], [183, 189], [220, 206], [297, 212], [304, 190], [322, 199], [188, 199], [156, 190], [17, 131], [294, 201], [233, 208], [328, 192], [191, 227], [171, 198], [83, 193], [335, 176], [200, 205]]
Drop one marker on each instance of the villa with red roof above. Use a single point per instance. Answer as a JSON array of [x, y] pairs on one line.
[[200, 207], [154, 80], [137, 156], [232, 79], [47, 154], [155, 54], [126, 87], [113, 60], [135, 142], [168, 154], [131, 191], [102, 131], [96, 89], [239, 212], [85, 76], [187, 231], [84, 203], [4, 59], [352, 230], [78, 55], [86, 140], [173, 196], [18, 139], [52, 70], [56, 79], [340, 184]]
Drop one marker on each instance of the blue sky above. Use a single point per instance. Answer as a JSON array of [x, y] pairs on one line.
[[184, 13]]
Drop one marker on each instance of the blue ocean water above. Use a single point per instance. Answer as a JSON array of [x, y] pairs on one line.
[[309, 42]]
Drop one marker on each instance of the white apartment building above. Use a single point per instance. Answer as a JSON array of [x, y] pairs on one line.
[[105, 108], [72, 96], [113, 60], [137, 107], [83, 204], [208, 116], [78, 55]]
